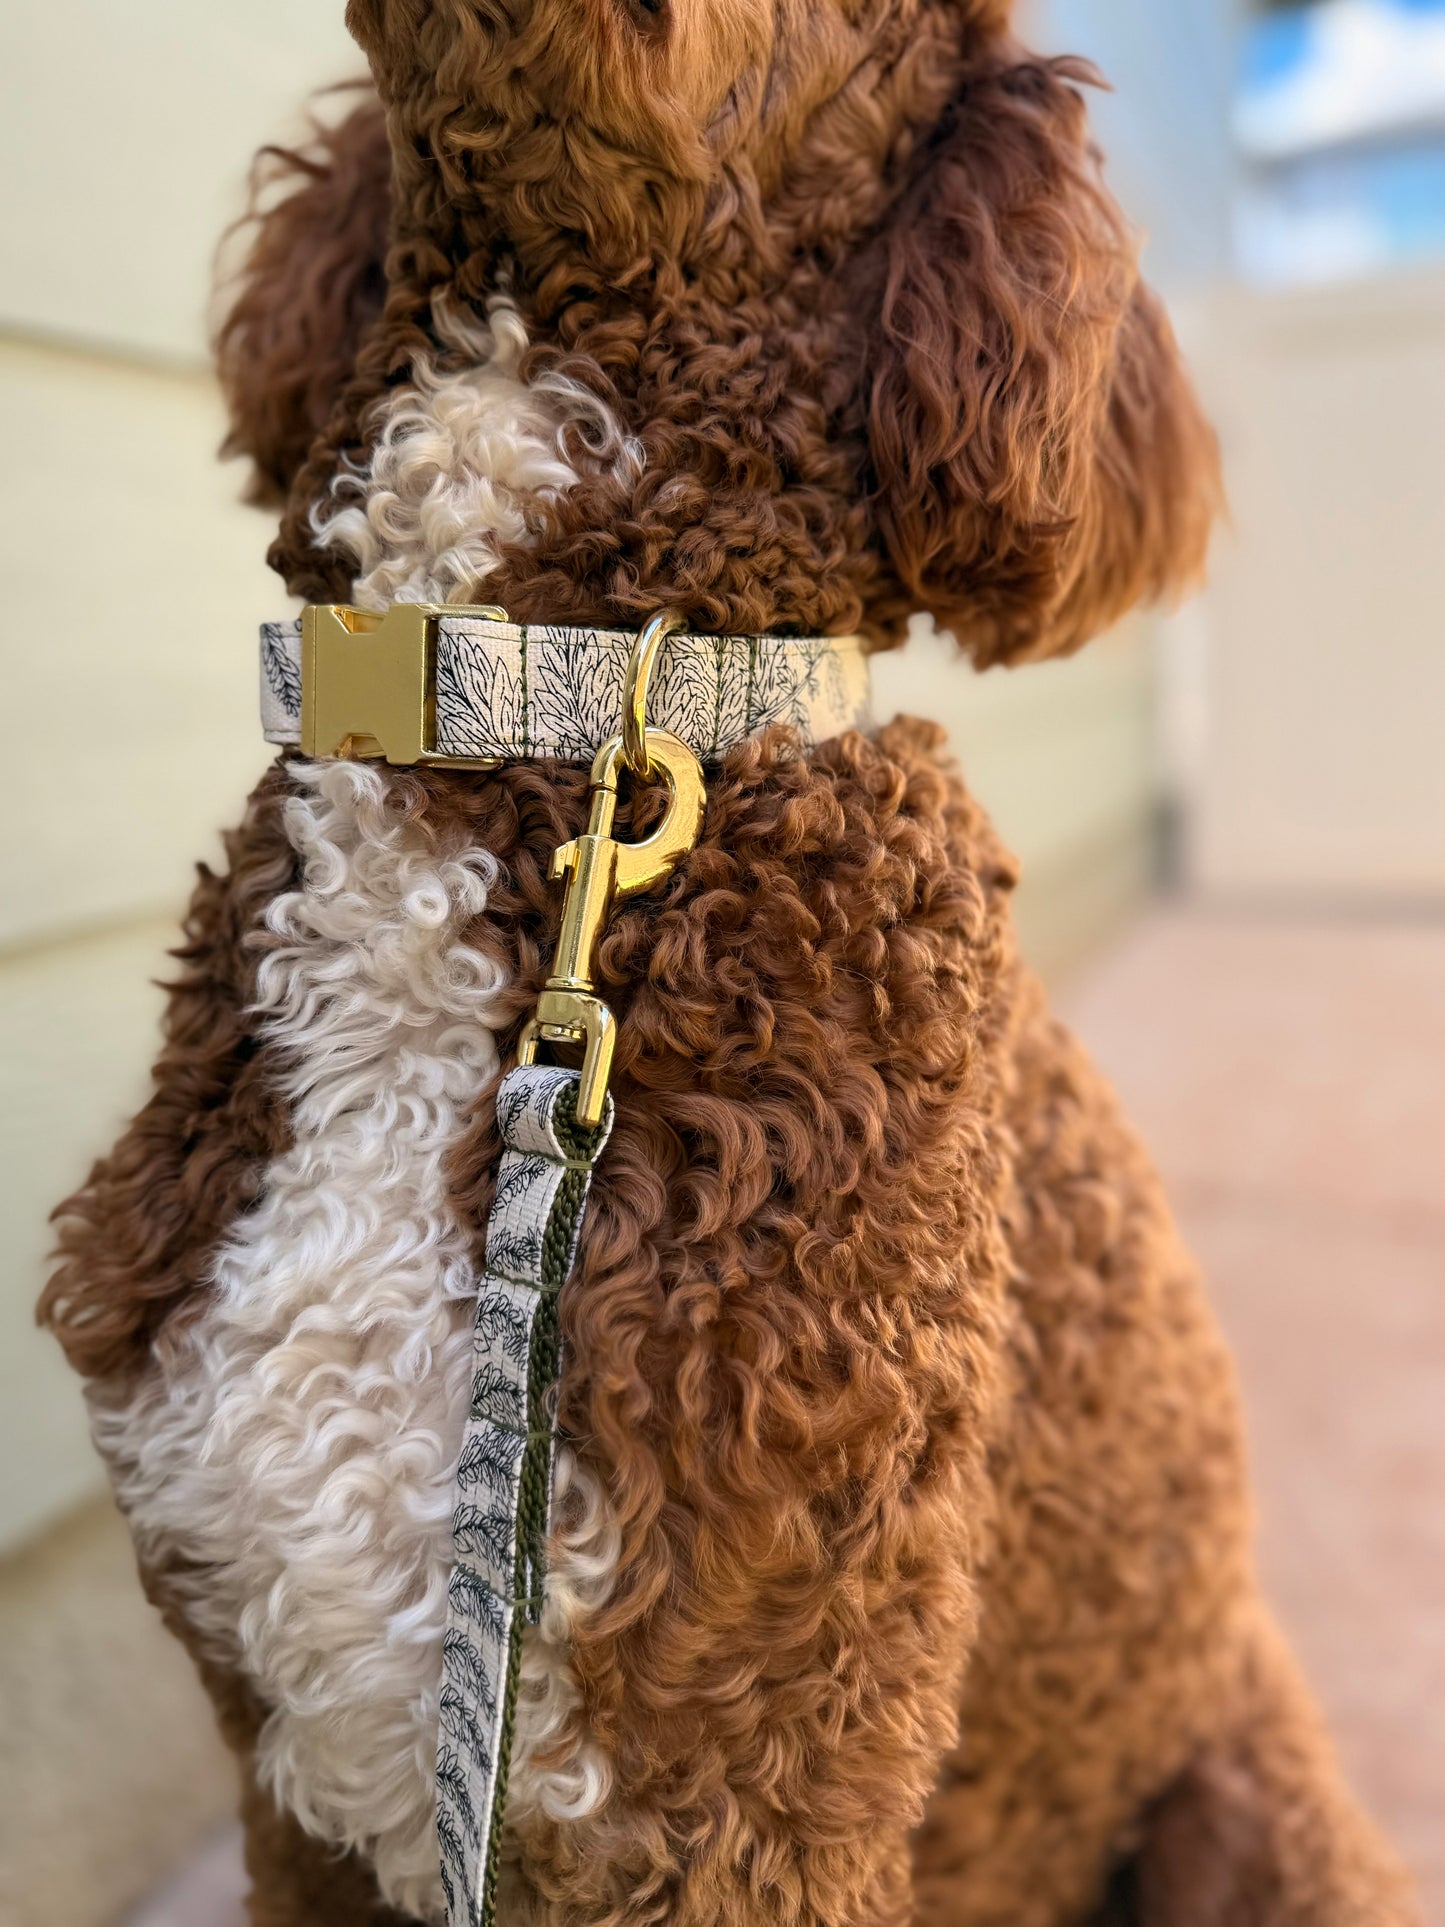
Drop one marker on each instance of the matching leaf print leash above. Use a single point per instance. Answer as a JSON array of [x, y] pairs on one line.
[[554, 1124], [360, 692]]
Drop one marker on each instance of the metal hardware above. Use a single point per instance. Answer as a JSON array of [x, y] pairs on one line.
[[599, 870], [368, 681], [640, 664]]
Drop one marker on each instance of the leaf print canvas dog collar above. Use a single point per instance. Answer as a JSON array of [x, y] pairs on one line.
[[430, 684]]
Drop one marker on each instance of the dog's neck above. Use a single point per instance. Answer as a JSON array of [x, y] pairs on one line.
[[628, 453], [681, 426]]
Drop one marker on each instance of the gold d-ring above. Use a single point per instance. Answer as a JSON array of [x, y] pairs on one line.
[[634, 690]]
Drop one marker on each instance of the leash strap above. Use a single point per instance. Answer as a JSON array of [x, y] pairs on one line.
[[504, 1473]]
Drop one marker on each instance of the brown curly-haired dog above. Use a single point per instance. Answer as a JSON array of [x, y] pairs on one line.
[[904, 1531]]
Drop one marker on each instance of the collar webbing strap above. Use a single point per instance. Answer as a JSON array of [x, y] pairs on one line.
[[503, 691]]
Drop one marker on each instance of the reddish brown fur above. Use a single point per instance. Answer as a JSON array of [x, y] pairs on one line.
[[882, 1335], [785, 1334], [882, 1343], [1037, 461], [310, 283], [136, 1241], [879, 331]]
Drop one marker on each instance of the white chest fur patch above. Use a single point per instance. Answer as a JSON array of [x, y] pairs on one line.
[[461, 464], [300, 1446]]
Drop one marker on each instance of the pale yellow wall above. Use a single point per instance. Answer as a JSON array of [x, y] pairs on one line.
[[1064, 755], [1319, 771], [124, 143], [134, 583]]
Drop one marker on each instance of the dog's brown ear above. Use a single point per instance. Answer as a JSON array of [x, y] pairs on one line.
[[310, 280], [1039, 460]]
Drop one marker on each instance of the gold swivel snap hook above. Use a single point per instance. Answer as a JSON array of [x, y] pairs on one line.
[[599, 869]]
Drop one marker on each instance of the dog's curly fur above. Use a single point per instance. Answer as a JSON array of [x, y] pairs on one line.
[[932, 1598], [878, 329]]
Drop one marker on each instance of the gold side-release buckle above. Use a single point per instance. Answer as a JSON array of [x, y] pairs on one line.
[[599, 869], [368, 682]]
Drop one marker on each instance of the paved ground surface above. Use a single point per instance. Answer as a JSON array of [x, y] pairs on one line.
[[1290, 1077], [209, 1892]]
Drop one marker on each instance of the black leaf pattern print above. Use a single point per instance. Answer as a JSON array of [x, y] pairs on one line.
[[498, 1398], [520, 1175], [465, 1667], [780, 684], [454, 1853], [514, 1100], [281, 665], [452, 1779], [480, 709], [501, 1324], [489, 1461], [574, 690], [471, 1598], [733, 670], [684, 695], [458, 1722]]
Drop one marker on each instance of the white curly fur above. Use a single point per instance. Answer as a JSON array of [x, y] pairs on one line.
[[298, 1444], [460, 465]]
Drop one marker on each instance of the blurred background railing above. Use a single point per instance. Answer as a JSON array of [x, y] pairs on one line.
[[1232, 819]]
